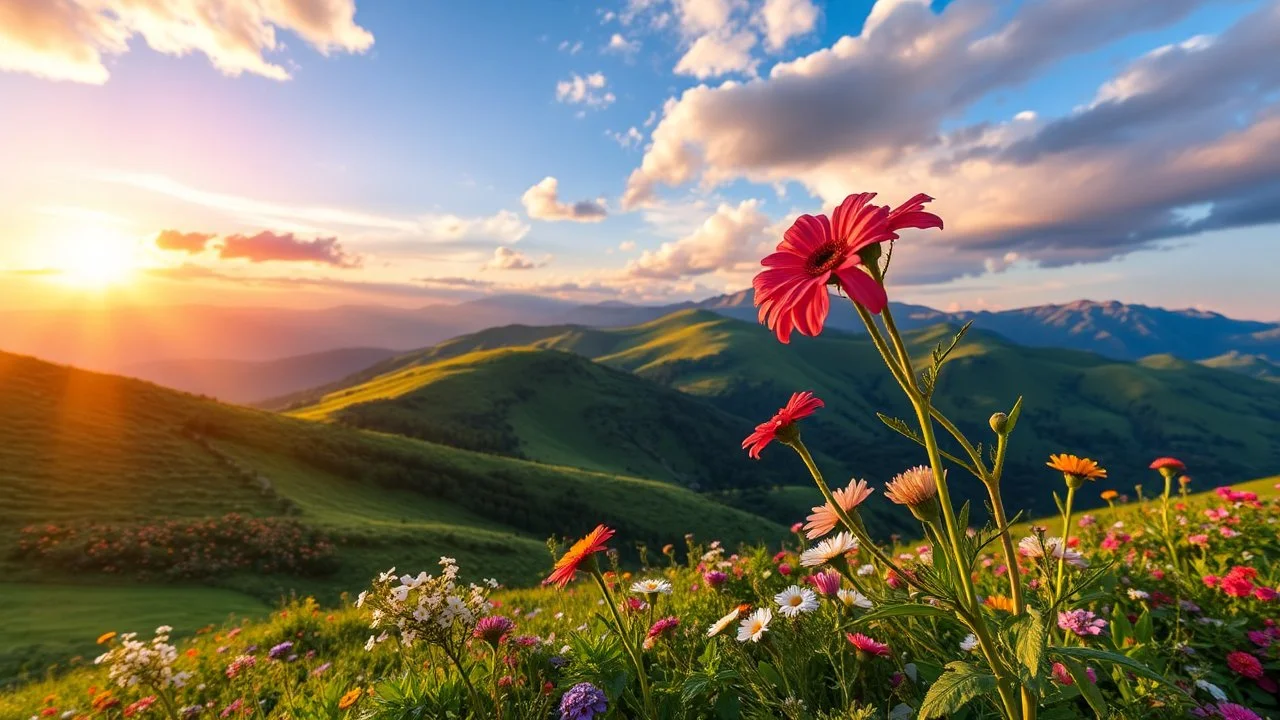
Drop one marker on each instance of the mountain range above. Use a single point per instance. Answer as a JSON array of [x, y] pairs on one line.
[[248, 354], [518, 390]]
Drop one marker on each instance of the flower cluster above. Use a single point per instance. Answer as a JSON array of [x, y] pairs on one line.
[[133, 663], [432, 609]]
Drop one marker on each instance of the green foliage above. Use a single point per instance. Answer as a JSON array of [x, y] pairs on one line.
[[956, 687]]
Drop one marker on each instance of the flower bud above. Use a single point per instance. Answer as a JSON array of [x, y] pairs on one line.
[[999, 423]]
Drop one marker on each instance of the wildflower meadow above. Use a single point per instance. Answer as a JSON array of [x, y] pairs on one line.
[[1153, 606]]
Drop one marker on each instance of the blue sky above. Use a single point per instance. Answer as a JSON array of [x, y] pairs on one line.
[[402, 160]]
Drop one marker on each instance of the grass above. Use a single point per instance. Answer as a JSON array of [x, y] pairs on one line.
[[80, 447], [41, 624]]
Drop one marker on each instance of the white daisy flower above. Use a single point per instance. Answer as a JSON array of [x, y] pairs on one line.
[[718, 626], [753, 627], [853, 598], [651, 587], [832, 548], [969, 643], [1214, 691], [795, 600]]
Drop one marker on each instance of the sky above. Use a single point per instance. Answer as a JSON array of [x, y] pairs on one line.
[[309, 153]]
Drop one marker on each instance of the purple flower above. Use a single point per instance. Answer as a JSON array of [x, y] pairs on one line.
[[321, 669], [280, 651], [583, 702], [714, 578], [1081, 622], [493, 628]]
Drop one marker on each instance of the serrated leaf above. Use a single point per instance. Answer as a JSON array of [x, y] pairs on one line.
[[902, 428], [955, 688], [1106, 656], [1030, 639]]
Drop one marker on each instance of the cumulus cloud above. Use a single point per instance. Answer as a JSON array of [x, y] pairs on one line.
[[267, 246], [702, 16], [783, 20], [719, 53], [589, 90], [71, 39], [542, 202], [622, 46], [731, 237], [191, 242], [503, 226], [1194, 123], [505, 258]]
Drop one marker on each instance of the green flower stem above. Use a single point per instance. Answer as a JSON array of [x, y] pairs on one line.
[[1066, 531], [922, 406], [493, 678], [855, 527], [1164, 521], [1030, 705], [624, 635], [167, 701], [466, 678]]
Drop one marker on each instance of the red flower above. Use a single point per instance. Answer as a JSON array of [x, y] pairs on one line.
[[567, 566], [1168, 463], [1244, 664], [867, 645], [816, 251], [800, 406]]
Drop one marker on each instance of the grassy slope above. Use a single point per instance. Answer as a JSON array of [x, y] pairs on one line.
[[1123, 413], [78, 446], [557, 408]]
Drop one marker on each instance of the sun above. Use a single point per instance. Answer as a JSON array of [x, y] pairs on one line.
[[94, 258]]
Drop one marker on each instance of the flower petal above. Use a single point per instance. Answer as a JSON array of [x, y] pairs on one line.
[[863, 288]]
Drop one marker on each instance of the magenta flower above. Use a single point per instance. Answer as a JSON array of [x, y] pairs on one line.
[[867, 645], [1081, 622], [1244, 664], [800, 406], [827, 583]]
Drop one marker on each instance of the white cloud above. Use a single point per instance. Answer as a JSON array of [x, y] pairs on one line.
[[589, 90], [783, 20], [733, 236], [542, 202], [622, 46], [719, 53], [571, 48], [631, 137], [505, 258], [704, 16], [1196, 122], [70, 39], [627, 245], [503, 226]]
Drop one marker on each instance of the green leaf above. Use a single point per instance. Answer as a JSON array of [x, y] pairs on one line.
[[956, 687], [768, 672], [1091, 694], [905, 610], [1030, 639], [902, 428], [1106, 656], [1121, 630], [1013, 416], [1142, 630]]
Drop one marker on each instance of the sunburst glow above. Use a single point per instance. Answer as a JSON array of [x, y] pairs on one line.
[[95, 257]]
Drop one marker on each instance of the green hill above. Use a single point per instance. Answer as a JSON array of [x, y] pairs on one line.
[[1255, 366], [84, 450], [1122, 413], [556, 408]]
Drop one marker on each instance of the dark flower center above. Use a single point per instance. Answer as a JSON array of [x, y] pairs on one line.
[[826, 258]]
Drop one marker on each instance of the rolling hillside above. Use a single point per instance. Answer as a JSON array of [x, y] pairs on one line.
[[246, 382], [556, 408], [1222, 424], [83, 449]]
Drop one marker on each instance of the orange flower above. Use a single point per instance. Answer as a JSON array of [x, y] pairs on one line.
[[192, 652], [567, 566], [1110, 495], [824, 518], [106, 637], [999, 602], [1076, 466], [349, 699]]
